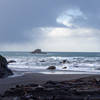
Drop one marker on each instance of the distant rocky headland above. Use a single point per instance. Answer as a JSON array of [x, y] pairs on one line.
[[38, 51]]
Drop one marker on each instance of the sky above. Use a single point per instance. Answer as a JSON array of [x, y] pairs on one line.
[[52, 25]]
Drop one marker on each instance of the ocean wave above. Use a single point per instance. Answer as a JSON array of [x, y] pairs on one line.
[[41, 63]]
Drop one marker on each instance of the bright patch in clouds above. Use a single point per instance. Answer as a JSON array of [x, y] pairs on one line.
[[68, 17], [67, 32], [66, 39]]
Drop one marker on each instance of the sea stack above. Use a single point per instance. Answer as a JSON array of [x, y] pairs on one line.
[[38, 51], [4, 70]]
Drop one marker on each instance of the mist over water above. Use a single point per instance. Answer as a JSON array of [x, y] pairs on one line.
[[77, 62]]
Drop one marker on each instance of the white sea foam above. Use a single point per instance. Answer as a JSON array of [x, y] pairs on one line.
[[41, 63]]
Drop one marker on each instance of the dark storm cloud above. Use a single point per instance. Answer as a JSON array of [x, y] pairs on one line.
[[18, 17]]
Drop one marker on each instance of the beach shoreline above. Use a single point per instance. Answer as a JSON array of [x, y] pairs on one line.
[[37, 78]]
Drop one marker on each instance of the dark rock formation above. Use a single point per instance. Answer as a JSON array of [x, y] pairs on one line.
[[64, 61], [64, 67], [51, 68], [42, 61], [81, 89], [11, 61], [4, 70], [76, 66], [38, 51]]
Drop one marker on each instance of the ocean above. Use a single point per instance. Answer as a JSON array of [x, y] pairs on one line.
[[79, 62]]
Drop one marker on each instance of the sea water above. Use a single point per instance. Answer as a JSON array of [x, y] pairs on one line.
[[79, 62]]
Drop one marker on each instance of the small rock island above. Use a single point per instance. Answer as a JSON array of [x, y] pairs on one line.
[[38, 51]]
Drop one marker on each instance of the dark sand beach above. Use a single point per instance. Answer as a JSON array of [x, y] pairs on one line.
[[40, 79], [36, 78]]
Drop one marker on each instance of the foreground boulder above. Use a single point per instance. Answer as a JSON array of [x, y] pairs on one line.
[[38, 51], [4, 70], [51, 68]]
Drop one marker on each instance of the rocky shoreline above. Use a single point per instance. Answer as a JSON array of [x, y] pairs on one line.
[[4, 70], [48, 87], [77, 89]]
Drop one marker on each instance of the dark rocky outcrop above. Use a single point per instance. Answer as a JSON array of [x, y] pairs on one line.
[[42, 61], [81, 89], [11, 61], [64, 61], [4, 70], [51, 68], [64, 67], [38, 51]]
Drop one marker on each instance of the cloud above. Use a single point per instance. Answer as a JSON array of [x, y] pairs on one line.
[[66, 39], [71, 17], [67, 32], [37, 23]]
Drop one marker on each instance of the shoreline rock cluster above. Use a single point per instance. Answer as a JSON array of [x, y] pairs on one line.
[[62, 62], [4, 70], [81, 89]]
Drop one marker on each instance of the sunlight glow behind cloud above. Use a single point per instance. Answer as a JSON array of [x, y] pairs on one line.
[[69, 16], [59, 32]]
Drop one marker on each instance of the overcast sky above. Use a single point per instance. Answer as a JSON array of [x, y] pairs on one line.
[[52, 25]]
